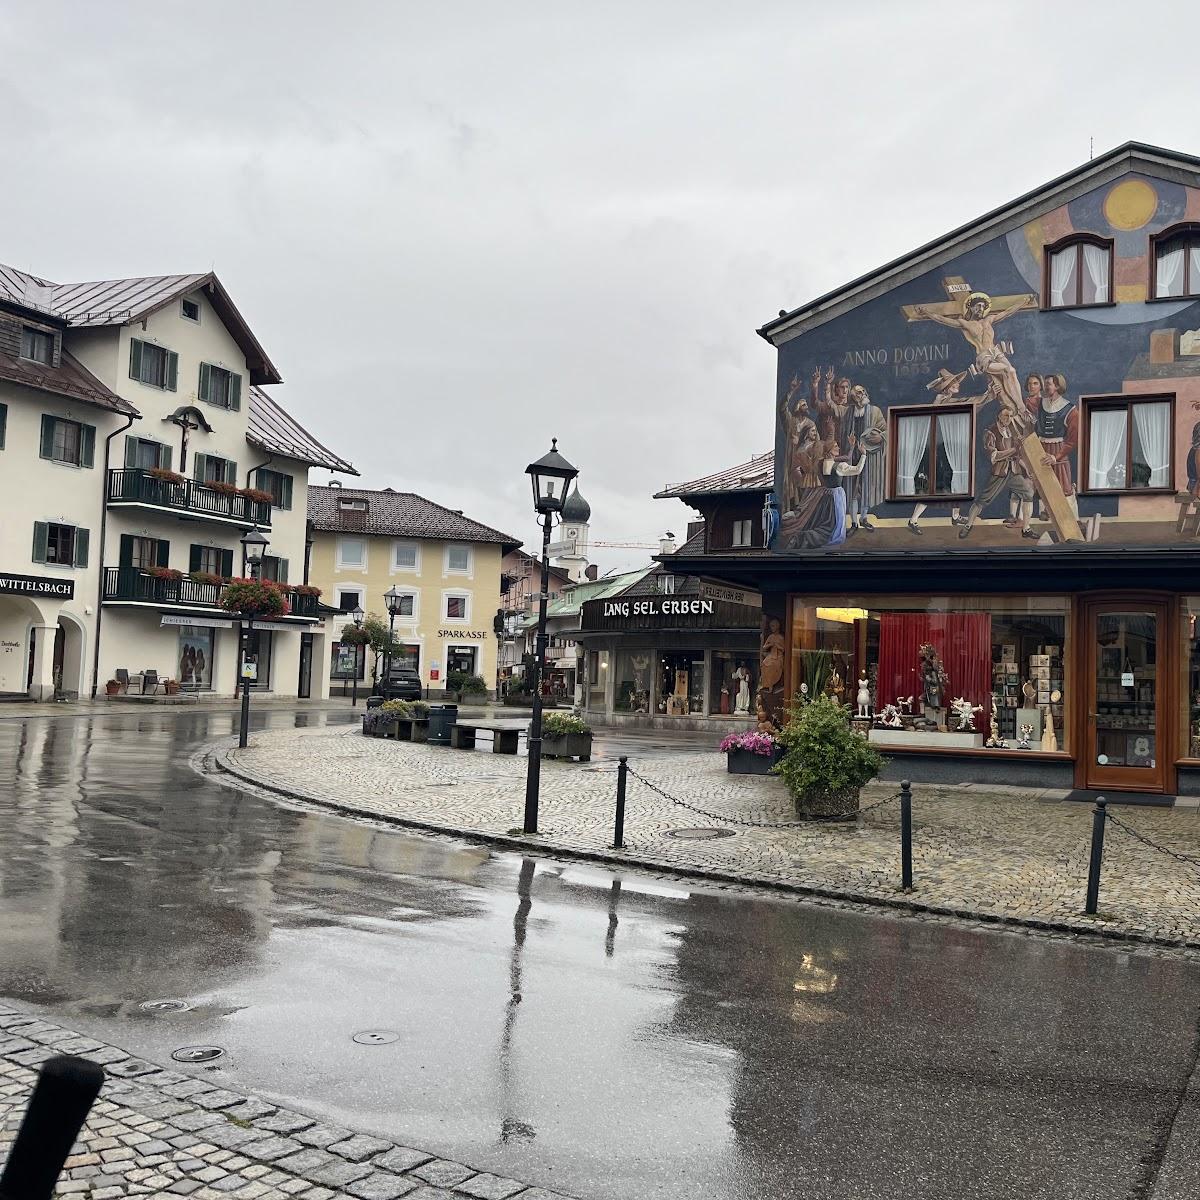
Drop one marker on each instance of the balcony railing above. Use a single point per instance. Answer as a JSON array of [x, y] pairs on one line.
[[133, 584], [133, 485]]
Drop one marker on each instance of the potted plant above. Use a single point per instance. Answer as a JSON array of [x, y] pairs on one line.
[[167, 574], [112, 688], [161, 473], [565, 735], [258, 495], [825, 763], [171, 687], [750, 753], [253, 598]]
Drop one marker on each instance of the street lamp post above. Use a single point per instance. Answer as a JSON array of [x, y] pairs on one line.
[[357, 616], [392, 598], [551, 477], [254, 545]]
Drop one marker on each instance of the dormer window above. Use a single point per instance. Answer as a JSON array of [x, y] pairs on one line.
[[1078, 272], [352, 505], [37, 345], [1175, 261]]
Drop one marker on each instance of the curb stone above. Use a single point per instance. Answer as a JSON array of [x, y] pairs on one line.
[[141, 1140], [214, 760]]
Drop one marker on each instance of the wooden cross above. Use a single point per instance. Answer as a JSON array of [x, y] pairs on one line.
[[957, 290]]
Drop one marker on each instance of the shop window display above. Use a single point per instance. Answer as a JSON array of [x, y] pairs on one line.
[[681, 684], [733, 684], [632, 689], [597, 679], [960, 672], [1189, 743]]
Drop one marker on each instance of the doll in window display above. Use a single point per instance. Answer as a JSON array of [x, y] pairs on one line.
[[933, 678]]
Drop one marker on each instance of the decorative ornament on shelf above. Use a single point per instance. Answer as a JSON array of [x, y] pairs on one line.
[[965, 711], [889, 718], [1026, 734], [995, 741], [1049, 737], [934, 680], [864, 697]]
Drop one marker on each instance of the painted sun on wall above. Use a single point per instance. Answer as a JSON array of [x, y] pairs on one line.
[[1041, 388]]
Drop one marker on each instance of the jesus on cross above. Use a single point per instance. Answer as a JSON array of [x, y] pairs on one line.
[[977, 324]]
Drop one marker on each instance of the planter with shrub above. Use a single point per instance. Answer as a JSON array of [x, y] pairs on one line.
[[466, 687], [751, 753], [408, 720], [825, 764], [253, 598], [566, 736]]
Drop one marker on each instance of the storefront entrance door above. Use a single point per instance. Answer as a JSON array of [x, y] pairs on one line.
[[1128, 680]]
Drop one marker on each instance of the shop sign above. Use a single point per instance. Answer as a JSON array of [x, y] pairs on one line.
[[37, 585], [655, 606], [463, 634], [196, 622], [668, 612], [731, 595]]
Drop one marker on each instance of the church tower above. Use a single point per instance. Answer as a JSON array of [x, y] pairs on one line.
[[570, 551]]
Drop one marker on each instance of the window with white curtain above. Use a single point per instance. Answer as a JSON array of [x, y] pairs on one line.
[[1078, 274], [934, 453], [1177, 263], [1129, 444]]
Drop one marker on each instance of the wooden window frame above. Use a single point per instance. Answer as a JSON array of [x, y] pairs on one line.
[[932, 411], [35, 333], [1078, 240], [1087, 404], [55, 533], [1186, 232], [184, 301]]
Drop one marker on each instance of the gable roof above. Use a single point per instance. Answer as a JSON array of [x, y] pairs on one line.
[[109, 302], [275, 431], [757, 475], [398, 514], [569, 602], [1131, 156]]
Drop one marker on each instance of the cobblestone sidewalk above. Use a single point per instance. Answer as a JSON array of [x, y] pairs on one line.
[[154, 1132], [1007, 856]]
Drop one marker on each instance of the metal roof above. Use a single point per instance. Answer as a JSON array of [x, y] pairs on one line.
[[274, 430], [397, 514], [569, 602], [123, 301], [70, 379], [757, 475]]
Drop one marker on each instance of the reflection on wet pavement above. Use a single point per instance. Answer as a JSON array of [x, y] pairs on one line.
[[608, 1034]]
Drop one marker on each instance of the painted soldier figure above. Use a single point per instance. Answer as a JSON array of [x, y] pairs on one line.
[[1002, 443]]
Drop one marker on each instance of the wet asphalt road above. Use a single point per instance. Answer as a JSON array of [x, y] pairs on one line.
[[611, 1035]]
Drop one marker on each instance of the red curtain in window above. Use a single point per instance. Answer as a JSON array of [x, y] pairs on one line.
[[963, 640]]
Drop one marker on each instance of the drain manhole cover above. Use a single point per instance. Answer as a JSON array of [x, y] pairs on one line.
[[699, 834], [376, 1037], [165, 1006], [197, 1053]]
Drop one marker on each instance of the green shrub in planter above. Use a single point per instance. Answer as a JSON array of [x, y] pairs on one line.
[[398, 708], [555, 724], [565, 735], [417, 709], [466, 685], [826, 763]]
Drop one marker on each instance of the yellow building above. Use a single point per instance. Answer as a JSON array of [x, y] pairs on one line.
[[446, 566]]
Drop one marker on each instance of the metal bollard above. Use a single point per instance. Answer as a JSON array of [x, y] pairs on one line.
[[619, 827], [906, 835], [1099, 816]]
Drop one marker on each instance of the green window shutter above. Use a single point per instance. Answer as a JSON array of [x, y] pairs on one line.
[[172, 371], [227, 564], [130, 450], [230, 471], [3, 423], [281, 575], [285, 495], [41, 538], [135, 359], [205, 382], [194, 557], [164, 457], [126, 558], [82, 537], [235, 392], [164, 553], [87, 445], [198, 473], [47, 436]]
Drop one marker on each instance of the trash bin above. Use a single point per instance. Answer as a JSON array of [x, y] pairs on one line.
[[374, 701], [441, 718]]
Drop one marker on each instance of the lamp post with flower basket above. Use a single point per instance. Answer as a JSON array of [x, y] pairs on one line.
[[250, 598]]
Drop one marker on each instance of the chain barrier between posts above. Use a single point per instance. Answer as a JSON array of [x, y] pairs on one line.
[[726, 819], [1186, 859]]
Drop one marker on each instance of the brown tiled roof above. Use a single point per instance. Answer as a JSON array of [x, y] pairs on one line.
[[70, 379], [757, 475], [398, 514], [123, 301], [279, 433]]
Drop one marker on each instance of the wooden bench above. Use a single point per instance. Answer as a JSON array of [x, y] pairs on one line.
[[504, 741]]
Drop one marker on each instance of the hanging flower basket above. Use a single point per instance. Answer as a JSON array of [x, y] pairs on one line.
[[254, 598], [169, 574]]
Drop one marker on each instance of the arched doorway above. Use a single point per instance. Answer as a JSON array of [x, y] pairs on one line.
[[68, 657], [18, 617]]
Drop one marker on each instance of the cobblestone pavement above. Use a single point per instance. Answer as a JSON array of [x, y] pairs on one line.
[[1015, 856], [154, 1132]]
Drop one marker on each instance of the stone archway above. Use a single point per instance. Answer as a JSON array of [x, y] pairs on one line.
[[26, 637], [73, 641]]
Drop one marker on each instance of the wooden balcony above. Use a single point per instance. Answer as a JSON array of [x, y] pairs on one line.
[[133, 487]]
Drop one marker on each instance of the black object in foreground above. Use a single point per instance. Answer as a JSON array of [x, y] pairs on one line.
[[57, 1110]]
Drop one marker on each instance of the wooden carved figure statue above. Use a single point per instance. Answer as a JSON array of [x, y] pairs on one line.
[[933, 677]]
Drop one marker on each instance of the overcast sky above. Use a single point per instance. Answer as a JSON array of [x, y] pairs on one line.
[[459, 228]]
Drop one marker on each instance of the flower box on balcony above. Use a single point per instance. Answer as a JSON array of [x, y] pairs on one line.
[[254, 598]]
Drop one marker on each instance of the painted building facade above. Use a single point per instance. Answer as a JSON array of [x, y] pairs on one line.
[[138, 446], [987, 489], [447, 566]]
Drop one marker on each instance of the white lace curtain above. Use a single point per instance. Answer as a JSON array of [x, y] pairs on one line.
[[1152, 430], [1170, 272], [910, 452], [1106, 447], [954, 433], [1062, 277], [1095, 262]]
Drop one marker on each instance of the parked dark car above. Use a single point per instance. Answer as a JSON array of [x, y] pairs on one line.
[[403, 683]]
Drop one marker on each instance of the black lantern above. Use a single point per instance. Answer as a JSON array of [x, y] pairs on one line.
[[551, 476], [357, 616], [392, 598], [254, 546]]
